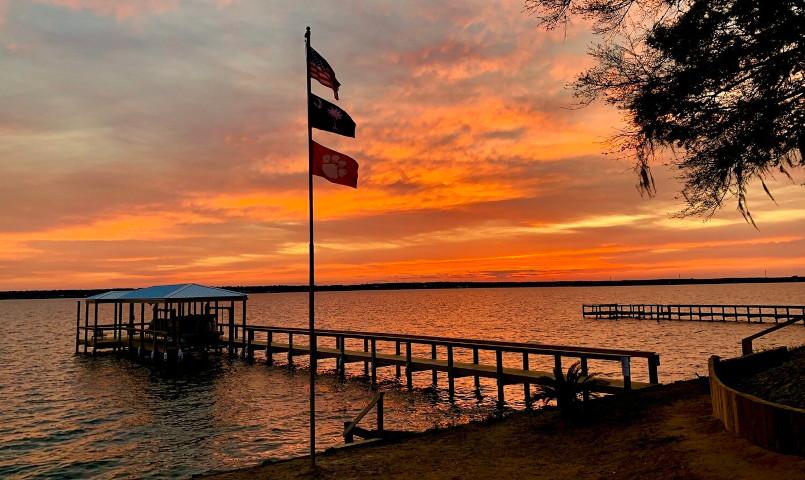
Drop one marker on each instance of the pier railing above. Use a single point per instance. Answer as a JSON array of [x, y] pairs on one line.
[[701, 313], [144, 340], [351, 429], [746, 343], [405, 357]]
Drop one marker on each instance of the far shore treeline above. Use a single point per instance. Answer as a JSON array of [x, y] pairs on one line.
[[45, 294]]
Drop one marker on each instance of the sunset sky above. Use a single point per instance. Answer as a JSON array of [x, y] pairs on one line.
[[164, 141]]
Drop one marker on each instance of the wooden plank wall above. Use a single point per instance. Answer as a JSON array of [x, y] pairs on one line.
[[770, 425]]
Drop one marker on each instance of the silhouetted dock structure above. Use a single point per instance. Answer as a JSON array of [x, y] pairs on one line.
[[169, 323], [699, 313]]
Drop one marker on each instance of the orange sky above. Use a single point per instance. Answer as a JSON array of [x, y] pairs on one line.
[[155, 141]]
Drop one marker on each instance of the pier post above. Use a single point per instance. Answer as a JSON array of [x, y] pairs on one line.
[[142, 327], [218, 328], [115, 316], [627, 374], [77, 323], [130, 330], [499, 365], [95, 330], [114, 326], [397, 353], [374, 363], [343, 357], [290, 350], [584, 371], [249, 347], [653, 363], [526, 386], [231, 329], [269, 351], [243, 322], [365, 362], [451, 388], [477, 378], [86, 324], [434, 373], [557, 364], [408, 372], [154, 347]]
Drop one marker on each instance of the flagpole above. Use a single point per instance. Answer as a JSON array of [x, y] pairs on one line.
[[311, 286]]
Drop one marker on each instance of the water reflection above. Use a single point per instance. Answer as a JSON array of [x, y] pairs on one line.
[[107, 417]]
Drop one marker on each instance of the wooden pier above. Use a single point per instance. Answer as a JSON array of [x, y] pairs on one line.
[[696, 313], [188, 320], [456, 357], [448, 355]]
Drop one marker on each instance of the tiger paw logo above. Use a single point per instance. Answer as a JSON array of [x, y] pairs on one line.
[[334, 167]]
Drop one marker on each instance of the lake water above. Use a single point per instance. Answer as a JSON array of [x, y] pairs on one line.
[[72, 416]]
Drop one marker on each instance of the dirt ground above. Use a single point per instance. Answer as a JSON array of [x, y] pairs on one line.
[[667, 433]]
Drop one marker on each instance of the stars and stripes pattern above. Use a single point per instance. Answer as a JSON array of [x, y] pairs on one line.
[[322, 71]]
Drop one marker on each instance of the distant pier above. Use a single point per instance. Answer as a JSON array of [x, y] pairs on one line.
[[696, 313]]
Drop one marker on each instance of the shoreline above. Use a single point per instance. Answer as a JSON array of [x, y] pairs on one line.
[[82, 293], [665, 433]]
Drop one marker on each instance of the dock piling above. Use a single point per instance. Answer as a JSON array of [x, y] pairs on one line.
[[451, 387], [397, 352], [584, 371], [408, 371], [77, 323], [434, 373], [342, 357], [526, 386], [365, 363], [477, 379], [627, 374], [95, 331], [499, 365], [290, 350], [269, 352], [374, 364]]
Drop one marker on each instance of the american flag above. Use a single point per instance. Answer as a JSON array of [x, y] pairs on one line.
[[322, 71]]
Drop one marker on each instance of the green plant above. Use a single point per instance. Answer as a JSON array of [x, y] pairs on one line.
[[568, 390]]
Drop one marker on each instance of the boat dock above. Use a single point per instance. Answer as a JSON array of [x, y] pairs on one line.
[[456, 357], [192, 319], [696, 313]]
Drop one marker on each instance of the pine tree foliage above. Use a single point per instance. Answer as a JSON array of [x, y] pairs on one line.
[[716, 85]]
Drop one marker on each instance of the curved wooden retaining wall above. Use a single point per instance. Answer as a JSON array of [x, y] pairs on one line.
[[767, 424]]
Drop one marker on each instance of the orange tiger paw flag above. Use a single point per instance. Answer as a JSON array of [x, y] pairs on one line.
[[334, 166]]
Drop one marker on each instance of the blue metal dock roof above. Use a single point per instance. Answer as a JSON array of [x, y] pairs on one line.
[[162, 293]]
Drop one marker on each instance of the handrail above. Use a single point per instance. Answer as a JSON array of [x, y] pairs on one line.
[[515, 347], [583, 353], [124, 328], [746, 343], [351, 428]]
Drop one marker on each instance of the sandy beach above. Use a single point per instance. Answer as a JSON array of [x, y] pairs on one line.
[[667, 433]]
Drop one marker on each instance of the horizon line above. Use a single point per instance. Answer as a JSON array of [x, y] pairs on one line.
[[420, 285]]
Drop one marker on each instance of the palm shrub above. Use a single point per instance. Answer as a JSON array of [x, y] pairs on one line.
[[567, 390]]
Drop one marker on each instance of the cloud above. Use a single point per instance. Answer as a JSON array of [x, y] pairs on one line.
[[119, 9], [156, 141]]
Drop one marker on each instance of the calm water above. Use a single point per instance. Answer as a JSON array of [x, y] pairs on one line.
[[70, 416]]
